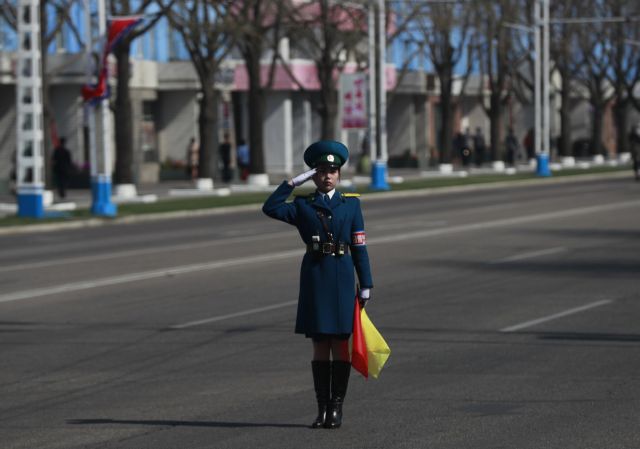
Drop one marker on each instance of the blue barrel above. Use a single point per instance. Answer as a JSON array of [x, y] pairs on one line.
[[543, 165]]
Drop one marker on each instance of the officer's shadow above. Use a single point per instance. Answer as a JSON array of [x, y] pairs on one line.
[[172, 423]]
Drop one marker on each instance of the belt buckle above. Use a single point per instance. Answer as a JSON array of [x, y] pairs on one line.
[[326, 248]]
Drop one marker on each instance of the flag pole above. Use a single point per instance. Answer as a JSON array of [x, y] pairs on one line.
[[101, 182]]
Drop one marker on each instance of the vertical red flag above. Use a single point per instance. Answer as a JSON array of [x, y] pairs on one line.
[[118, 28], [359, 359]]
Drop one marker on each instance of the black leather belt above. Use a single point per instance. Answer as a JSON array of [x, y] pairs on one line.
[[328, 249]]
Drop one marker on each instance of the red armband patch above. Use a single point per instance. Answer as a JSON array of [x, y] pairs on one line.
[[358, 238]]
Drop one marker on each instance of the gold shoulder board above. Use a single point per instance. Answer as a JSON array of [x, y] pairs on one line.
[[351, 195]]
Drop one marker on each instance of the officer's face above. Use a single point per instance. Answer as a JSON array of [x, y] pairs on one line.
[[326, 178]]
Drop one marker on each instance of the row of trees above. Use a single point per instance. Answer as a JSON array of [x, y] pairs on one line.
[[599, 60]]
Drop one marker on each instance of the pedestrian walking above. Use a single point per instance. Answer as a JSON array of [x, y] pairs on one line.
[[461, 146], [192, 158], [224, 150], [511, 144], [332, 228], [479, 146], [529, 144], [62, 165], [242, 157]]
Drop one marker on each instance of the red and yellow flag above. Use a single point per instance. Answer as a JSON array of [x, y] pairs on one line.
[[369, 351], [359, 359]]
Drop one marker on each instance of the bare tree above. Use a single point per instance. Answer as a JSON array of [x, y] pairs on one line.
[[331, 34], [207, 37], [593, 72], [624, 54], [258, 28], [445, 31], [123, 112], [497, 55], [566, 62]]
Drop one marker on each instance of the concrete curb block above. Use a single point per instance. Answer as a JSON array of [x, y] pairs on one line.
[[430, 191], [490, 186]]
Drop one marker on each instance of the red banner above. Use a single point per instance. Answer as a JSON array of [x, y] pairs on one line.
[[118, 28]]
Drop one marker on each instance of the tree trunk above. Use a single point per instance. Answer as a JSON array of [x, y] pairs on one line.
[[123, 117], [495, 123], [256, 115], [446, 115], [596, 128], [620, 111], [565, 117], [207, 122], [329, 112]]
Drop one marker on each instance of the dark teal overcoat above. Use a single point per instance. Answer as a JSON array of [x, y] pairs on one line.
[[327, 283]]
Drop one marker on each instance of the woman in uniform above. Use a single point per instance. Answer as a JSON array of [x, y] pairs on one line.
[[331, 226]]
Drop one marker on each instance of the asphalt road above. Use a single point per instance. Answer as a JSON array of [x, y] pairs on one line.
[[512, 314]]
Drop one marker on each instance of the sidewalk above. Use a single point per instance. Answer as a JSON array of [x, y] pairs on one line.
[[165, 190], [78, 199], [184, 188]]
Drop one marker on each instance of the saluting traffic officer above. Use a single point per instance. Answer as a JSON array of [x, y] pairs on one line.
[[331, 226]]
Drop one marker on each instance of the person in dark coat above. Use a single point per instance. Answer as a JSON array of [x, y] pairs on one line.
[[62, 166], [461, 145], [479, 146], [243, 159], [529, 144], [331, 226], [511, 144], [225, 155]]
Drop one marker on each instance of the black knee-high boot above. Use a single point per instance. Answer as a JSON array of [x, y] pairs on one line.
[[340, 371], [321, 382]]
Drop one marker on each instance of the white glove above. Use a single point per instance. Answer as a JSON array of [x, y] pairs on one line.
[[304, 177], [364, 295]]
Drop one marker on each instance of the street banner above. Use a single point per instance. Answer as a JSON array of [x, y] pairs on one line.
[[353, 91]]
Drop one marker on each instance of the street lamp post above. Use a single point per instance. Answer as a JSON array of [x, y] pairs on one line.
[[372, 116], [543, 151], [30, 159], [379, 166], [541, 116], [101, 176]]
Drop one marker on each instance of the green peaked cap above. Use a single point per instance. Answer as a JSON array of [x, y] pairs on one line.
[[326, 152]]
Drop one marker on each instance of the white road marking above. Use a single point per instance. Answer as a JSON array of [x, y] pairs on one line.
[[75, 286], [505, 222], [555, 316], [145, 275], [233, 315], [530, 255], [406, 224], [142, 252]]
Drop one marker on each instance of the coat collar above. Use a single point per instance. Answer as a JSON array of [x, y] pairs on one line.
[[318, 201]]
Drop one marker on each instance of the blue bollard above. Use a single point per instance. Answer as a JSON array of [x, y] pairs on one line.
[[543, 165], [30, 203], [379, 176], [101, 198]]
